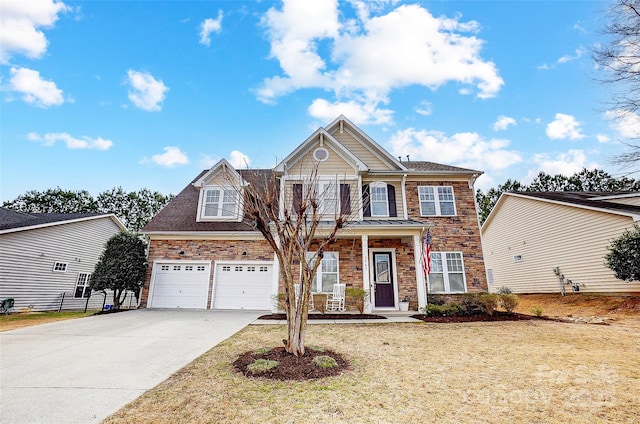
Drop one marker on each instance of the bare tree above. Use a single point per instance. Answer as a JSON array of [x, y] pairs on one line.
[[619, 59], [298, 225]]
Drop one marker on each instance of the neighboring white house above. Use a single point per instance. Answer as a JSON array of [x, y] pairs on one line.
[[534, 240], [43, 256]]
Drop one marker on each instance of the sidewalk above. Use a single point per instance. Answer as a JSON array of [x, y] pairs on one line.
[[390, 318]]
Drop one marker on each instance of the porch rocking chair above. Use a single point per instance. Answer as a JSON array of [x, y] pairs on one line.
[[335, 300], [297, 288]]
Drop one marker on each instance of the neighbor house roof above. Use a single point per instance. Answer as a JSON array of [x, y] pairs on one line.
[[12, 221], [581, 199]]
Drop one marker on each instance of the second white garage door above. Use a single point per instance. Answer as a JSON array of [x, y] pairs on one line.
[[242, 285]]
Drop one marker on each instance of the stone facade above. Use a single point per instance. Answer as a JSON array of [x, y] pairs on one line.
[[460, 233]]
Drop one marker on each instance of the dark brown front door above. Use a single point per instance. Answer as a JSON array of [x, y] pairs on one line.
[[383, 279]]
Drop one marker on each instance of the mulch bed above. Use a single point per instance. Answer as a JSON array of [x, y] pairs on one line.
[[497, 316], [291, 367], [326, 316]]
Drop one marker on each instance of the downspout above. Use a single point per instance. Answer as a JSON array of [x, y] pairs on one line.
[[404, 197]]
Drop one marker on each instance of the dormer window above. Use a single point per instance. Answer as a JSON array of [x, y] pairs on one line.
[[219, 203]]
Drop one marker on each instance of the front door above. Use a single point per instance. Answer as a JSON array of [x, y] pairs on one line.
[[383, 279]]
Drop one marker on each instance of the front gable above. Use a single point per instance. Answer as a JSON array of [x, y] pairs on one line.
[[219, 196]]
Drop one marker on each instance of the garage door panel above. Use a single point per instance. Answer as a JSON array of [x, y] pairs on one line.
[[184, 285], [241, 286]]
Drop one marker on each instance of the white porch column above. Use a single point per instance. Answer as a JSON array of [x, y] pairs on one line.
[[366, 283], [421, 286], [275, 282]]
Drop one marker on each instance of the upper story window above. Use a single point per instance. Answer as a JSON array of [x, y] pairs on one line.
[[379, 200], [333, 197], [436, 200], [219, 203]]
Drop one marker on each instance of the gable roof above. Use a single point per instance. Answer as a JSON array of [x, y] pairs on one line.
[[589, 200], [437, 168], [222, 166], [12, 221]]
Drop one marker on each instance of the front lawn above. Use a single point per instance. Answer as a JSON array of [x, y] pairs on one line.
[[501, 372], [19, 320]]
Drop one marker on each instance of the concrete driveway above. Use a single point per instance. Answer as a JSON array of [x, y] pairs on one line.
[[80, 371]]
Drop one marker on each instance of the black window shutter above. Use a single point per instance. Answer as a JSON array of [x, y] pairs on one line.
[[345, 199], [297, 197], [391, 195], [365, 200]]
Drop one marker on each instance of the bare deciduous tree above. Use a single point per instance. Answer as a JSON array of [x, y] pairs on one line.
[[298, 225], [619, 60]]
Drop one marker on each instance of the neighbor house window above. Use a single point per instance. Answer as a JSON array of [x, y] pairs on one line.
[[436, 200], [82, 286], [60, 267], [327, 274], [219, 202], [447, 273]]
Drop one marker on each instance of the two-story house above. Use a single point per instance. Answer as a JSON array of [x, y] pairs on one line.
[[203, 253]]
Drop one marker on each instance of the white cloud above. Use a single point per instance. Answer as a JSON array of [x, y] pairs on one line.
[[21, 21], [207, 161], [208, 26], [461, 149], [34, 89], [564, 59], [564, 127], [239, 160], [171, 157], [359, 113], [424, 108], [566, 164], [603, 138], [626, 124], [370, 56], [503, 123], [73, 143], [148, 93]]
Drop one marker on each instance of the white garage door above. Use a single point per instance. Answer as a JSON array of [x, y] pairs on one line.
[[243, 286], [180, 285]]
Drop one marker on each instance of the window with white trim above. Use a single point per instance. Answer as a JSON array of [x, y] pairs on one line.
[[436, 201], [82, 286], [327, 196], [379, 201], [447, 273], [219, 202], [327, 273], [59, 267]]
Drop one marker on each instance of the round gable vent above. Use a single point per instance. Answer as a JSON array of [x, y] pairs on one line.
[[321, 154]]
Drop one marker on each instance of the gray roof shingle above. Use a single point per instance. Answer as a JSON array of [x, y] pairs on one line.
[[10, 219]]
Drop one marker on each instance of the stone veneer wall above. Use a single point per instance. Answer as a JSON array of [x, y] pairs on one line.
[[455, 233], [209, 250]]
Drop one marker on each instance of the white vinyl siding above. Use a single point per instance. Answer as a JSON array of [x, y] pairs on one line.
[[436, 201], [27, 260], [447, 273], [548, 235]]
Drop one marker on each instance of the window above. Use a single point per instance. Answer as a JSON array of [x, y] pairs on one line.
[[82, 286], [238, 269], [333, 197], [188, 267], [436, 200], [251, 268], [447, 273], [200, 268], [517, 258], [220, 203], [164, 267], [327, 197], [176, 267], [59, 267], [226, 268], [379, 199], [264, 269], [327, 274]]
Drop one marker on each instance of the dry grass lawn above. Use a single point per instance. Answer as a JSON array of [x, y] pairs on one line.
[[503, 372], [20, 320]]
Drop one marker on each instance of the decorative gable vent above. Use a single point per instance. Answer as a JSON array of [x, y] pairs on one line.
[[321, 154]]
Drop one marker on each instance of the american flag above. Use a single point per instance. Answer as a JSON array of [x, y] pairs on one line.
[[426, 254]]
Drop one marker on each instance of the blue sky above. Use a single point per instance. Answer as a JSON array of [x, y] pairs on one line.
[[100, 94]]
